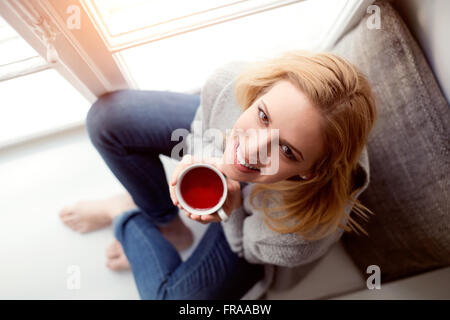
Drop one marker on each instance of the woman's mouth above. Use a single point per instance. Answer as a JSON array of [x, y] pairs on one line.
[[239, 162]]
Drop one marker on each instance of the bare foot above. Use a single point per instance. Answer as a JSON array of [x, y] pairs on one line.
[[116, 258], [175, 232], [90, 215], [178, 234]]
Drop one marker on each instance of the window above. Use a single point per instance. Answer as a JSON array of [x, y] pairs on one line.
[[34, 98], [131, 22], [174, 45], [181, 63], [149, 44], [16, 56]]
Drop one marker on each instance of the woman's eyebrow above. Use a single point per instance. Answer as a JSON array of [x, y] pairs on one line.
[[282, 141]]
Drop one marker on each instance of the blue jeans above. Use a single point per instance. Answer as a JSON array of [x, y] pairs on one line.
[[130, 129]]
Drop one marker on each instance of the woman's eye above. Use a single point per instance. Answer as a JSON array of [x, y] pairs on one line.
[[263, 116], [288, 152]]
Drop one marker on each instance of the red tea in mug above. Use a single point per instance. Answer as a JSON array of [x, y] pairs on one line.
[[201, 188]]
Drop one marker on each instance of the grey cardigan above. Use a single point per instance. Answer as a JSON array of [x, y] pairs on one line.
[[286, 257]]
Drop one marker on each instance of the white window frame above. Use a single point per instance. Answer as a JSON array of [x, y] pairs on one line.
[[89, 69], [87, 60], [234, 10]]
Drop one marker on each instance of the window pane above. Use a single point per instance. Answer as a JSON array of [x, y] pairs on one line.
[[12, 47], [121, 16], [38, 102], [183, 62]]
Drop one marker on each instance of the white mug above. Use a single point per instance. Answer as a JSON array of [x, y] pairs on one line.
[[217, 207]]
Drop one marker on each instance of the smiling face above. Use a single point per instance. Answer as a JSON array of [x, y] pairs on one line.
[[286, 108]]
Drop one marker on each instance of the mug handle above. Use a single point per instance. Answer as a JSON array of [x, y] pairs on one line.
[[223, 216]]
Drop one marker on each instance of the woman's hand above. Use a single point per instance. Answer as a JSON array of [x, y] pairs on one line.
[[234, 198]]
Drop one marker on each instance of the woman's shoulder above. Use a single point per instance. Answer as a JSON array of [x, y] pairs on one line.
[[223, 75], [229, 70]]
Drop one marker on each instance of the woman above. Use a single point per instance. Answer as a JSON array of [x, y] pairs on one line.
[[324, 110]]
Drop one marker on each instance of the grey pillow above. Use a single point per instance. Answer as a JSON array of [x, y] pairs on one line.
[[408, 152]]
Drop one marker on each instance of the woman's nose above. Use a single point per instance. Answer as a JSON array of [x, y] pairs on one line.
[[259, 149]]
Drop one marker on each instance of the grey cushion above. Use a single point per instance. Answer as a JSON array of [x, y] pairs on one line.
[[408, 152]]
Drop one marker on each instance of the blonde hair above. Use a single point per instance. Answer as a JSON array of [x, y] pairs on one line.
[[315, 208]]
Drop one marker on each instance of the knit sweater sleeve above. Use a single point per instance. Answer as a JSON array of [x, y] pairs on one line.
[[195, 143]]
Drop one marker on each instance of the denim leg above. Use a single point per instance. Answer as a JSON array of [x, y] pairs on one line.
[[130, 129], [213, 271]]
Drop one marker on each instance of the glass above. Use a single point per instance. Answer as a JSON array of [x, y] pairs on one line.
[[12, 47], [121, 16], [38, 103], [183, 62]]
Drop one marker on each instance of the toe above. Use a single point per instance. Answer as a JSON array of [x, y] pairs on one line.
[[118, 264], [75, 225], [69, 217], [112, 254], [65, 212], [70, 223], [113, 251], [82, 228], [112, 264]]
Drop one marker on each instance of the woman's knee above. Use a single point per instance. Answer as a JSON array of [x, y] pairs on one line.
[[106, 114]]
